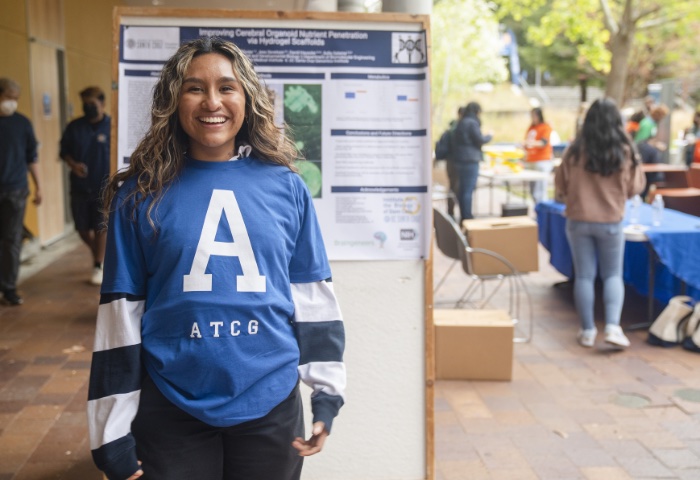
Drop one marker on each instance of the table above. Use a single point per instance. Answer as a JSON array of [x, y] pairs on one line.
[[676, 243], [504, 151], [673, 176], [638, 233], [678, 192], [662, 168], [507, 177]]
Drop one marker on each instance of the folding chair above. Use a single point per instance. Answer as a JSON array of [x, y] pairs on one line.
[[448, 245], [452, 242]]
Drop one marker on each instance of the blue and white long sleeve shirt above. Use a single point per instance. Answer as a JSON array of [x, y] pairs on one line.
[[225, 307]]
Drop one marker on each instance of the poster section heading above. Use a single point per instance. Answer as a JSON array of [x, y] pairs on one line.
[[284, 46]]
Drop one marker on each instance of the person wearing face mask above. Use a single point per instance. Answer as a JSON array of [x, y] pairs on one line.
[[18, 155], [85, 148]]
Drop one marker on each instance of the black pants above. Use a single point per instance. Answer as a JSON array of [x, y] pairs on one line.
[[173, 445], [12, 206], [87, 211]]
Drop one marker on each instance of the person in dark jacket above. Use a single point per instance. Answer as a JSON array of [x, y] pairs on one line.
[[466, 154], [85, 147], [452, 173], [650, 155], [18, 156]]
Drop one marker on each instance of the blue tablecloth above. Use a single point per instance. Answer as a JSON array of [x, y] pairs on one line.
[[676, 243]]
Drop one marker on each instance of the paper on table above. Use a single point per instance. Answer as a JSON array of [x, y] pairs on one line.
[[636, 232]]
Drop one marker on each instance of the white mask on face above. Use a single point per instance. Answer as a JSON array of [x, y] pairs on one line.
[[8, 107]]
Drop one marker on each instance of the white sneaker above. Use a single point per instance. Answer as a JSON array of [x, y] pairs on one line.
[[96, 278], [587, 337], [615, 336]]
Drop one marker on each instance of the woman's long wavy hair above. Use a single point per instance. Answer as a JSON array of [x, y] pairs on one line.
[[160, 156], [603, 141]]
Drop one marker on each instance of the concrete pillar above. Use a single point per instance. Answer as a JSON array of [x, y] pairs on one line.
[[321, 5], [408, 6]]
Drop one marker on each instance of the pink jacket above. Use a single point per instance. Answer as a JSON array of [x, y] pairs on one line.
[[591, 197]]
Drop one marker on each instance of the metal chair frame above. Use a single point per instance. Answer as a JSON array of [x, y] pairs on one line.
[[452, 242]]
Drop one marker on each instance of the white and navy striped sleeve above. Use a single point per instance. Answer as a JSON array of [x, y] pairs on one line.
[[116, 372], [320, 333], [115, 384]]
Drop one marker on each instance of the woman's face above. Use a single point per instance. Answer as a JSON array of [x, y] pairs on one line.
[[211, 107]]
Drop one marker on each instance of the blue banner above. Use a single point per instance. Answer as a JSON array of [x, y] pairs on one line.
[[298, 46]]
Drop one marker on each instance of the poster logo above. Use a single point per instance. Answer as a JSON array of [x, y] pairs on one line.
[[408, 234], [411, 205], [381, 237], [150, 43], [408, 48]]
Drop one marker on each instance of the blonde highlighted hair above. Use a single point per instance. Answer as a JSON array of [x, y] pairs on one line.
[[160, 156]]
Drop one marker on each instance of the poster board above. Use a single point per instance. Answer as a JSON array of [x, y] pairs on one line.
[[355, 89]]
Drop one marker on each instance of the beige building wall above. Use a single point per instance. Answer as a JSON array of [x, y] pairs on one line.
[[88, 49], [34, 34], [45, 32], [14, 63], [14, 56]]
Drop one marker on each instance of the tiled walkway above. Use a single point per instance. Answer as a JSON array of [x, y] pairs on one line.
[[571, 412], [562, 416], [45, 351]]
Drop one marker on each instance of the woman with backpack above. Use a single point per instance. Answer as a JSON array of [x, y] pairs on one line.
[[466, 154]]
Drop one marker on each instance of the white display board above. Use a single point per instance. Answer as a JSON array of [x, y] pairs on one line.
[[356, 97], [355, 89]]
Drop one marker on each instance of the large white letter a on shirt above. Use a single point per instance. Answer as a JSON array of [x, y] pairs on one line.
[[224, 201]]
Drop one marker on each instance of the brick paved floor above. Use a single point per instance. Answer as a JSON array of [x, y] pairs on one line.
[[566, 414], [560, 418], [45, 351]]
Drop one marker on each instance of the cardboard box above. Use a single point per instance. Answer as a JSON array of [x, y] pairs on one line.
[[473, 344], [515, 238]]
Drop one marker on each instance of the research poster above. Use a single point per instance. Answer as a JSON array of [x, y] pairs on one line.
[[357, 103]]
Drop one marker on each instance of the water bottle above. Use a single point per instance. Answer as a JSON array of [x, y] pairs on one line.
[[657, 210], [635, 206]]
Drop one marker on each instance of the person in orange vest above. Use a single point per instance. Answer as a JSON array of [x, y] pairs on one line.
[[632, 126], [538, 152]]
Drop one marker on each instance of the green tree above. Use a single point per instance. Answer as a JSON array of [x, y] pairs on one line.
[[561, 59], [604, 31], [464, 52], [673, 52]]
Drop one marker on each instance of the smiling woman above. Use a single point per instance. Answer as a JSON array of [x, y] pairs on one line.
[[217, 295], [211, 109]]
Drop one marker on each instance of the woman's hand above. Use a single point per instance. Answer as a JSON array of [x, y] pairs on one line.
[[314, 444], [78, 168], [137, 474]]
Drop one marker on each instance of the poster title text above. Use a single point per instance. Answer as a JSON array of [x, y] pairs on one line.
[[281, 37]]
